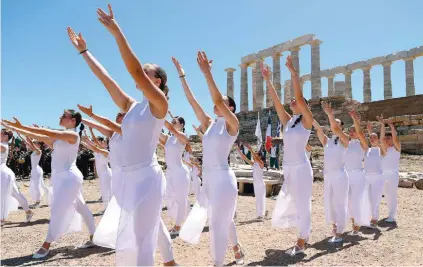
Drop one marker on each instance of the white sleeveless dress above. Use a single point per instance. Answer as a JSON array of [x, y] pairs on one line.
[[178, 181], [37, 187], [220, 186], [335, 184], [105, 175], [8, 203], [374, 176], [358, 197], [259, 190], [293, 204], [115, 145], [390, 167], [132, 220]]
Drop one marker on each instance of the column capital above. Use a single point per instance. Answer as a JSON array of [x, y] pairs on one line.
[[230, 70], [278, 54], [330, 76], [409, 58], [316, 42], [243, 65], [295, 49], [387, 63], [366, 68], [258, 60], [347, 72]]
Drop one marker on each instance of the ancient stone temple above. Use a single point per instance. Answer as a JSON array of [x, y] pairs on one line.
[[292, 47]]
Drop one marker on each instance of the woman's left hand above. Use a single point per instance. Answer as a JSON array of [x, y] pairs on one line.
[[108, 20], [203, 62]]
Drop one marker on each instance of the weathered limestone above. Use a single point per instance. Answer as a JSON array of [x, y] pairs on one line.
[[259, 85], [287, 95], [331, 88], [253, 86], [295, 58], [277, 74], [348, 85], [409, 76], [340, 88], [387, 82], [367, 83], [269, 102], [230, 82], [316, 82], [244, 87]]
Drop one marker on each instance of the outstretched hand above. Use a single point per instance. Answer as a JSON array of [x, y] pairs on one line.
[[77, 40], [290, 65], [108, 20], [265, 71], [327, 108], [369, 126], [203, 62], [354, 115], [16, 123], [380, 119], [178, 66], [88, 111], [389, 121]]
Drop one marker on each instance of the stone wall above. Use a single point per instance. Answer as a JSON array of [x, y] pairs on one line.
[[409, 127]]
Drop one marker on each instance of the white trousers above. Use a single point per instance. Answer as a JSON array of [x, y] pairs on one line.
[[376, 183], [37, 187], [336, 198], [391, 191], [358, 198], [105, 175], [177, 190], [222, 192], [293, 205], [195, 185], [23, 202], [11, 197], [68, 206], [260, 194]]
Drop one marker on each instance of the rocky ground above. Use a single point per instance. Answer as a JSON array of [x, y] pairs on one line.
[[398, 244]]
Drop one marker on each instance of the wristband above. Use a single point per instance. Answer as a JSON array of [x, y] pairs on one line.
[[182, 76], [83, 51]]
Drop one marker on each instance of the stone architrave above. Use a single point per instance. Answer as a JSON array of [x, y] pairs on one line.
[[277, 74], [287, 96], [387, 82], [340, 87], [259, 85], [409, 76], [367, 84], [331, 88], [316, 80], [230, 82], [244, 87], [348, 84]]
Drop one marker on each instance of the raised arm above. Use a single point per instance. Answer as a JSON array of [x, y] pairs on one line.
[[29, 145], [320, 133], [255, 156], [394, 133], [121, 99], [99, 127], [307, 120], [382, 136], [199, 133], [67, 136], [284, 117], [96, 142], [201, 115], [244, 158], [187, 163], [182, 138], [43, 138], [356, 120], [335, 128], [111, 126], [218, 99], [155, 95]]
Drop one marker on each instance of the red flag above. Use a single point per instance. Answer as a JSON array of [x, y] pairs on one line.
[[269, 134]]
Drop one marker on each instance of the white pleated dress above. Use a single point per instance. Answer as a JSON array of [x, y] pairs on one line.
[[259, 190], [390, 167], [375, 179], [178, 181], [8, 203], [37, 187], [132, 219], [293, 204], [105, 175]]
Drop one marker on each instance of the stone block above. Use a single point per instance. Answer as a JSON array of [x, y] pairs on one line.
[[410, 137], [419, 184], [403, 130], [416, 127], [406, 183], [414, 122], [302, 40], [357, 65], [376, 61], [249, 59], [415, 52], [397, 56], [416, 117]]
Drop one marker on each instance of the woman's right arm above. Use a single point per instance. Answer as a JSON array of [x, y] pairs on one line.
[[202, 116], [121, 99], [320, 134], [244, 158], [361, 137], [99, 127], [284, 117], [43, 138], [334, 124]]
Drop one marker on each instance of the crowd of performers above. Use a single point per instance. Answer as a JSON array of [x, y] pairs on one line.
[[135, 190]]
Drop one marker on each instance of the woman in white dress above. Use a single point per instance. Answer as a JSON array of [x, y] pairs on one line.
[[177, 173], [68, 204], [293, 205], [136, 211], [374, 174], [11, 197], [37, 187], [258, 182], [195, 176], [335, 176], [390, 167], [219, 179]]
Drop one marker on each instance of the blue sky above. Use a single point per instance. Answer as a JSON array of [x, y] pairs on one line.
[[42, 73]]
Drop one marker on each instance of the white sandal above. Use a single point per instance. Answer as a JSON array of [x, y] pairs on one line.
[[173, 231], [294, 251], [88, 244], [241, 254], [38, 255], [29, 216], [335, 239]]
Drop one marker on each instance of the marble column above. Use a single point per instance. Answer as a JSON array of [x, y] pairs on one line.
[[259, 85], [230, 82], [367, 84], [244, 87], [348, 84], [277, 74], [316, 80], [287, 96], [253, 86], [331, 88], [295, 55], [269, 101], [387, 82], [409, 76]]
